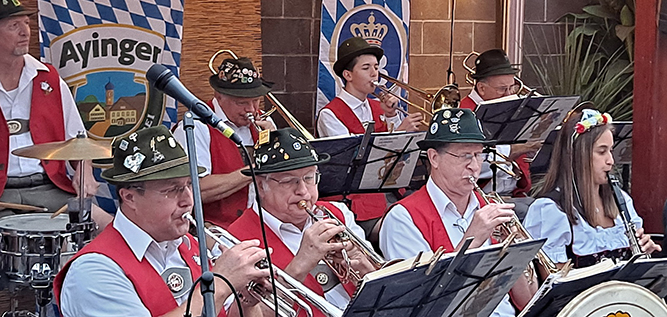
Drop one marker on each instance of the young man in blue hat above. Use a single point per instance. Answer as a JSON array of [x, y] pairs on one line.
[[287, 174], [238, 90], [37, 107], [145, 263], [446, 211]]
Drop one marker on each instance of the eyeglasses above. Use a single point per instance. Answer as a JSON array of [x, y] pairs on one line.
[[170, 193], [510, 90], [467, 157], [293, 182]]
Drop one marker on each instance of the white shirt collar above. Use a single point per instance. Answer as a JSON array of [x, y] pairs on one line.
[[139, 240], [220, 113], [446, 207], [475, 97], [281, 228], [352, 101]]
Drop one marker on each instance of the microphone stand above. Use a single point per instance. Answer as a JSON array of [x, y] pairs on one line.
[[207, 285]]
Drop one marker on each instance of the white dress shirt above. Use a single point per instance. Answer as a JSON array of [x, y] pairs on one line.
[[16, 105], [96, 286], [545, 220], [203, 141], [505, 183], [401, 239], [329, 125], [291, 236]]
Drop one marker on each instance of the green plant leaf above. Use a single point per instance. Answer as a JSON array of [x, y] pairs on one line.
[[627, 16], [600, 11], [623, 32]]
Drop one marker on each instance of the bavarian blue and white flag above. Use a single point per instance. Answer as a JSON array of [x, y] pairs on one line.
[[102, 49], [381, 22]]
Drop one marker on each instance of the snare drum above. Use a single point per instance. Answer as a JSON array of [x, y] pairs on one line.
[[615, 298], [33, 240]]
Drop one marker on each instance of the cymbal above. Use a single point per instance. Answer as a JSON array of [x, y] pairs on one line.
[[75, 149]]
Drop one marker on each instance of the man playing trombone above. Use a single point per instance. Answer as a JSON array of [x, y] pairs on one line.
[[238, 90], [287, 177], [144, 264], [447, 210]]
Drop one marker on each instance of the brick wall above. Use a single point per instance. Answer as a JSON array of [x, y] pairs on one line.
[[290, 45]]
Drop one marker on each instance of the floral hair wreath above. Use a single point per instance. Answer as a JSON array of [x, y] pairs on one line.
[[589, 119]]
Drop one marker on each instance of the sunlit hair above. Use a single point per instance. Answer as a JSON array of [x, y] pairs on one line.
[[571, 171]]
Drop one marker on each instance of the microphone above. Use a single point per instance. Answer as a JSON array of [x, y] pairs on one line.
[[164, 80]]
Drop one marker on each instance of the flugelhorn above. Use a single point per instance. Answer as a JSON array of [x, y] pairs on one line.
[[523, 89], [514, 228], [346, 273], [276, 105], [287, 293]]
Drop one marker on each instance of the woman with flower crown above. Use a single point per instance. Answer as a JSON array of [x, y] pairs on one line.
[[575, 209]]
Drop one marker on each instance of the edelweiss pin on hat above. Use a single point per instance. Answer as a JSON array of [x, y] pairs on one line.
[[148, 154], [453, 125], [286, 150]]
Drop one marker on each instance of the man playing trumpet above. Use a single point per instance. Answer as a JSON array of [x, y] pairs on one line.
[[144, 264], [238, 90], [446, 211], [287, 175]]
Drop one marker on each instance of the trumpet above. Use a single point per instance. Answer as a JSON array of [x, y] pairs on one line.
[[276, 105], [514, 229], [261, 115], [286, 292], [523, 89], [346, 272]]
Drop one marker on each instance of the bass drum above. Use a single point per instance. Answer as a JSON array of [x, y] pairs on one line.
[[615, 299]]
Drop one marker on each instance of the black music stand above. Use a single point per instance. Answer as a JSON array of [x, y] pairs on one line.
[[523, 119], [368, 163], [552, 297], [470, 281]]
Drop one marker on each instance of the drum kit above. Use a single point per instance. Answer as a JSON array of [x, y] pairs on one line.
[[34, 246]]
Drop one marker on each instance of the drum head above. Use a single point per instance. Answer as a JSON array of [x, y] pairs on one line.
[[34, 223], [615, 298]]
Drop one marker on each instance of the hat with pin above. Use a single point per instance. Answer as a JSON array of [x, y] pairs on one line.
[[453, 125], [351, 48], [148, 154], [493, 62], [286, 150], [239, 78], [12, 8]]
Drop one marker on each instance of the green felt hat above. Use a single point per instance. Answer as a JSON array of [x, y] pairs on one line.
[[148, 154], [351, 48], [453, 125], [239, 78], [493, 62], [286, 150], [12, 8]]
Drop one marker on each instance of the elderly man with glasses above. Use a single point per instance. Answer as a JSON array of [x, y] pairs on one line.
[[287, 175], [446, 211]]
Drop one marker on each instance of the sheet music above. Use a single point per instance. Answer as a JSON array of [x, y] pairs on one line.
[[383, 155], [553, 110]]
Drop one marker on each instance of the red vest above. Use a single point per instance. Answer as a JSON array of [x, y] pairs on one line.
[[468, 103], [150, 287], [365, 206], [345, 114], [226, 158], [427, 219], [46, 125], [248, 227]]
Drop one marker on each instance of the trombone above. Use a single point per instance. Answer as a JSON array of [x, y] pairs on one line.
[[223, 237], [510, 169], [523, 89], [446, 97], [276, 105]]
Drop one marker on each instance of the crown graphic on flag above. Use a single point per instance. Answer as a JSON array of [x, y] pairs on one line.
[[372, 32]]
